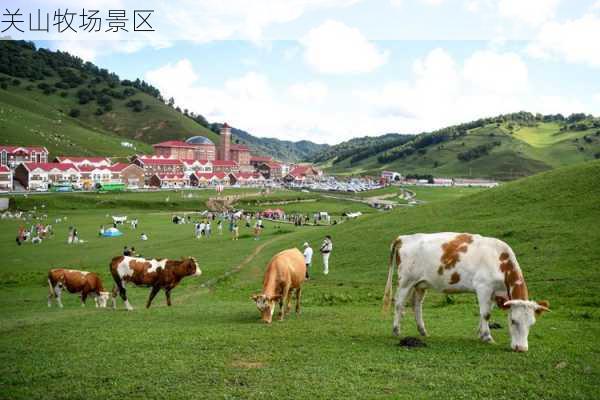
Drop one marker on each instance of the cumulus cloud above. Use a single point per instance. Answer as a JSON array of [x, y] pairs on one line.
[[335, 48], [309, 92], [573, 41], [440, 90], [249, 101], [530, 12], [90, 50], [208, 20], [497, 72], [443, 91]]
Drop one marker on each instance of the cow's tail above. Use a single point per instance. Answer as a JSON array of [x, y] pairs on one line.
[[393, 262]]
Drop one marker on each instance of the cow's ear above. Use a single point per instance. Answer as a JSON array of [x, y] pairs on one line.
[[500, 301], [542, 305], [254, 297]]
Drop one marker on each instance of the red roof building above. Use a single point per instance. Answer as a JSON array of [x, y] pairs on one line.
[[81, 161], [168, 180], [34, 175], [225, 166], [11, 156], [6, 178], [193, 149], [154, 166], [302, 173]]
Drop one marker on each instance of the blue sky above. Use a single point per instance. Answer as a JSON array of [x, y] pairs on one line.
[[329, 70]]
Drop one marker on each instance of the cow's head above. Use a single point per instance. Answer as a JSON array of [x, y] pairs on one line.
[[266, 306], [102, 299], [521, 317], [193, 268]]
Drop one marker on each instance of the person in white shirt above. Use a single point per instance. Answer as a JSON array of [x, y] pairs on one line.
[[144, 237], [308, 253], [325, 250], [201, 229], [207, 229]]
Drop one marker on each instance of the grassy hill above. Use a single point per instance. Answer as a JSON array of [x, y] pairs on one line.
[[211, 344], [504, 147], [74, 107]]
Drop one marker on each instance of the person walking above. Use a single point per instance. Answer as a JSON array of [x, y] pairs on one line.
[[236, 231], [326, 249], [308, 253], [220, 227], [257, 229], [207, 229], [197, 230]]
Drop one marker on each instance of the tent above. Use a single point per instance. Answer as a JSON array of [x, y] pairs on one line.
[[112, 232]]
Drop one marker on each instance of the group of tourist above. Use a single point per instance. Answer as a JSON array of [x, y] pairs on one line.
[[36, 234]]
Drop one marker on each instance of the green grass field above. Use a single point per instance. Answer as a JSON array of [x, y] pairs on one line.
[[210, 344]]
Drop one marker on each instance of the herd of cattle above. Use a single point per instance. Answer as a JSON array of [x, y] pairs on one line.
[[446, 262]]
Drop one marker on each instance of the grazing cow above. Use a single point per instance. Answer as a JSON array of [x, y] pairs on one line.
[[86, 283], [157, 274], [455, 263], [285, 272]]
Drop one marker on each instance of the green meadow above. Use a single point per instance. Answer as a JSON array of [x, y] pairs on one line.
[[211, 343]]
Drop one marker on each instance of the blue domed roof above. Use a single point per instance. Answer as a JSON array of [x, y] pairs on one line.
[[199, 140]]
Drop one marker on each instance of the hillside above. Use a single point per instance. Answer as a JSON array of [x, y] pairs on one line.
[[504, 147], [74, 107]]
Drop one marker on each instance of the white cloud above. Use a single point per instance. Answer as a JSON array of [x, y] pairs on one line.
[[440, 91], [472, 5], [250, 87], [335, 48], [249, 101], [444, 92], [497, 72], [573, 41], [399, 3], [208, 20], [530, 12], [173, 76], [309, 92], [90, 50], [432, 2]]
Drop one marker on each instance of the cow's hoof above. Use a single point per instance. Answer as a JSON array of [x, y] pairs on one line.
[[423, 332], [396, 331]]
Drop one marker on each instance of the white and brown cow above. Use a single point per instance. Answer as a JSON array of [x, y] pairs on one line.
[[86, 283], [285, 272], [455, 263], [157, 274]]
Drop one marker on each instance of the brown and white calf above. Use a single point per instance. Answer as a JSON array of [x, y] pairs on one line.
[[285, 272], [86, 283], [455, 263], [157, 274]]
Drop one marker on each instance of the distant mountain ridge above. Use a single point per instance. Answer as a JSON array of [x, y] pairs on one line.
[[502, 147], [283, 150]]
